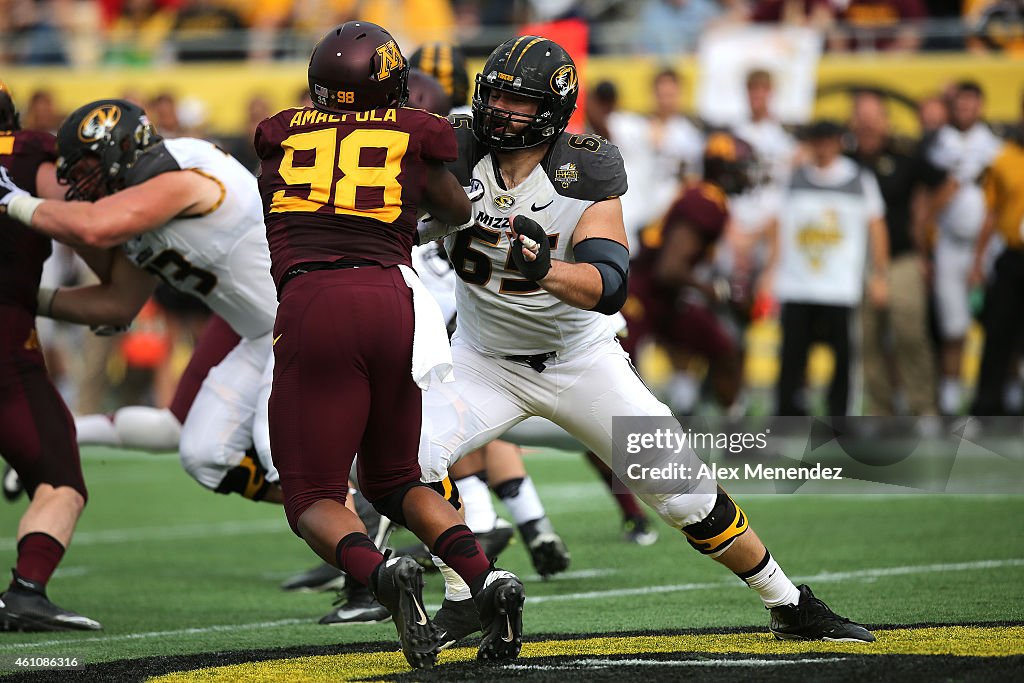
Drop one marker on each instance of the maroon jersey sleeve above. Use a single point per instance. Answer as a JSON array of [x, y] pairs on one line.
[[701, 208], [347, 185], [22, 250], [439, 143]]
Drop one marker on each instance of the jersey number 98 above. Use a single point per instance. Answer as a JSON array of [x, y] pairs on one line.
[[383, 203]]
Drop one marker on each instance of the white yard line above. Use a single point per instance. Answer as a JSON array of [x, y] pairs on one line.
[[827, 577], [824, 577], [577, 664], [164, 533]]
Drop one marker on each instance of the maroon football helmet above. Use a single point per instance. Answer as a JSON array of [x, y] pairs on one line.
[[357, 66], [426, 92], [8, 112]]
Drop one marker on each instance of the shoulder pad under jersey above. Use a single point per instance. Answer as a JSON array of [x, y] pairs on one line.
[[151, 163], [586, 167]]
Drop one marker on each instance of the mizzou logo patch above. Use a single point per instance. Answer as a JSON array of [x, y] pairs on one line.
[[504, 202], [564, 80], [390, 59], [98, 123]]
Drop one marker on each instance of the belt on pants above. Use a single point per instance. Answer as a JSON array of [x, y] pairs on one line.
[[537, 361], [311, 266]]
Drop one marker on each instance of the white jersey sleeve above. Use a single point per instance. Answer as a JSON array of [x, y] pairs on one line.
[[220, 257]]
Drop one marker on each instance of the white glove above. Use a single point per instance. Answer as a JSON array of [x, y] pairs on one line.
[[14, 201], [8, 189]]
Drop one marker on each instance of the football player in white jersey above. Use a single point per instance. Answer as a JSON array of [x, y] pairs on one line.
[[541, 266], [140, 208], [963, 148]]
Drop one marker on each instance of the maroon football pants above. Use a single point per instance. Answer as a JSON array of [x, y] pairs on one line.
[[343, 384], [37, 432]]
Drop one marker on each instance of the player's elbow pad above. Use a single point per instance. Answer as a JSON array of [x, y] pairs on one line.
[[611, 260]]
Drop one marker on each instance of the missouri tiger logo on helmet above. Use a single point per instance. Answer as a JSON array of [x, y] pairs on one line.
[[564, 80], [99, 122]]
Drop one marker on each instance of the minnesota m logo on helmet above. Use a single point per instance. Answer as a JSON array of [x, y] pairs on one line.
[[390, 59]]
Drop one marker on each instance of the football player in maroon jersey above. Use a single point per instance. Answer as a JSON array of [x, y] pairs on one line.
[[37, 435], [342, 183]]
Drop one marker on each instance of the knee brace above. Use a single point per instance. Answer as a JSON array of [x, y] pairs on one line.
[[449, 491], [715, 533], [247, 479], [391, 505]]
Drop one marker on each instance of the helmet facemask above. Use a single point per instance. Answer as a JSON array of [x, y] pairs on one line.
[[494, 125]]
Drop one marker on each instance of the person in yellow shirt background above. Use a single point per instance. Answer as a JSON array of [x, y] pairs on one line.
[[1004, 298]]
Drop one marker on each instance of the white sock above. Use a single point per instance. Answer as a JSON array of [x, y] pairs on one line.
[[148, 429], [476, 499], [772, 584], [683, 392], [455, 589], [521, 499], [96, 430], [950, 396]]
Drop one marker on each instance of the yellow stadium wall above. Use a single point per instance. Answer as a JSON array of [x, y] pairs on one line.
[[226, 88]]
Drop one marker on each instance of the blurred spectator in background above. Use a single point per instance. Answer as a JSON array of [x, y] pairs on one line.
[[136, 37], [36, 31], [879, 25], [820, 14], [1004, 300], [163, 113], [752, 212], [630, 132], [677, 144], [834, 212], [207, 30], [932, 114], [241, 146], [899, 367], [963, 149], [41, 113], [669, 27]]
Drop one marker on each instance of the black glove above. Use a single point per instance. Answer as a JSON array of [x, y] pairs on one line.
[[526, 227]]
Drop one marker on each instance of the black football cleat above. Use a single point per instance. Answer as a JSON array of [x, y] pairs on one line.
[[495, 541], [400, 590], [457, 619], [638, 530], [356, 605], [323, 577], [811, 619], [25, 607], [501, 617], [547, 549]]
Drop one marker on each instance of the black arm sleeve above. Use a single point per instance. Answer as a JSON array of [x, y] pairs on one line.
[[611, 260]]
